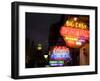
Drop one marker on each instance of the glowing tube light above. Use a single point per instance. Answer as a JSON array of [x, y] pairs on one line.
[[78, 43], [69, 38]]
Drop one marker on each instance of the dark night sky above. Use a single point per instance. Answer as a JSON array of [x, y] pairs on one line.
[[37, 27]]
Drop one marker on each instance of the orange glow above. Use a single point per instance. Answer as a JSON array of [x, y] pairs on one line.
[[74, 44], [70, 43], [73, 36], [68, 31], [74, 24]]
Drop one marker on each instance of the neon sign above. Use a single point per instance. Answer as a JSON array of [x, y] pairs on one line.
[[72, 32], [56, 63], [60, 56], [74, 24], [74, 37], [60, 53]]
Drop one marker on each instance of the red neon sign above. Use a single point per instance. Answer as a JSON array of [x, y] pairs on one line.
[[74, 37], [68, 31]]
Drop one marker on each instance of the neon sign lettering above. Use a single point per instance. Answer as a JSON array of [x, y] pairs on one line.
[[77, 33], [60, 53], [74, 37], [74, 24]]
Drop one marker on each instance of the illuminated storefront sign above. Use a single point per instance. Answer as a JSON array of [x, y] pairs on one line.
[[75, 24], [73, 32], [74, 37], [56, 63], [58, 55]]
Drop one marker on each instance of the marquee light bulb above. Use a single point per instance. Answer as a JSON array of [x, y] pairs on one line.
[[75, 18]]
